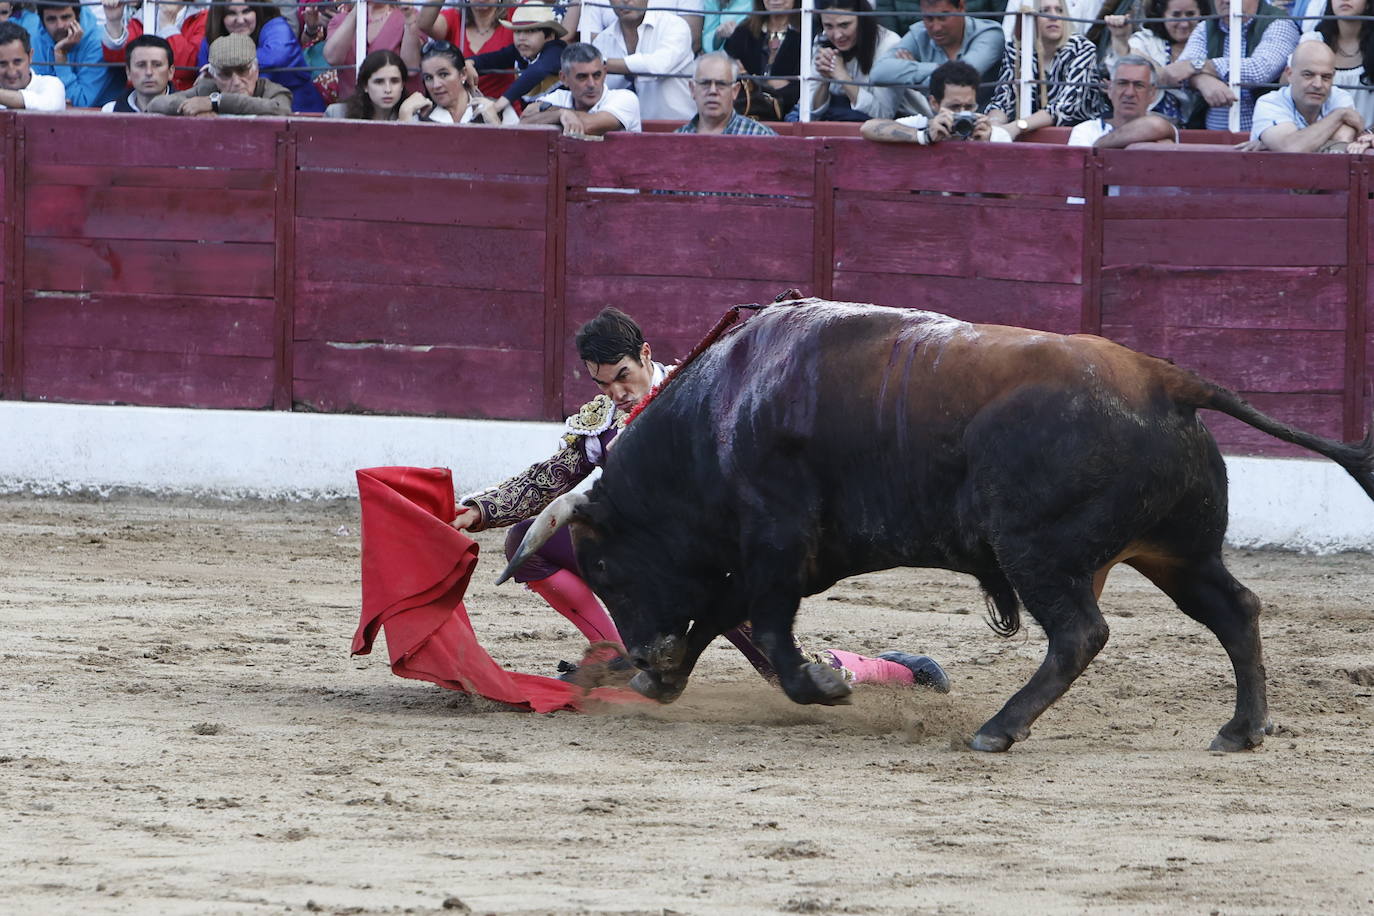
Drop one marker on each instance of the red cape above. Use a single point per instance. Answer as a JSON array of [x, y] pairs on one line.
[[416, 569]]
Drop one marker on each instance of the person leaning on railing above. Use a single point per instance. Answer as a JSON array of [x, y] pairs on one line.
[[233, 86], [381, 90], [847, 45], [954, 99], [586, 108], [1310, 115], [943, 34], [279, 50], [1161, 42], [180, 23], [451, 92], [149, 70], [715, 86], [1131, 90], [20, 87], [1067, 91], [1268, 37]]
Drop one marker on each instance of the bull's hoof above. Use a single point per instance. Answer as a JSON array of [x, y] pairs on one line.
[[1232, 743], [653, 687], [990, 744], [818, 684]]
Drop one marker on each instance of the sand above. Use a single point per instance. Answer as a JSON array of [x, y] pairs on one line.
[[182, 730]]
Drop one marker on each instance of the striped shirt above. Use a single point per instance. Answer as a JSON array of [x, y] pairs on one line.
[[738, 124]]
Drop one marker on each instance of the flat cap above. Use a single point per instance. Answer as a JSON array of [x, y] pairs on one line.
[[229, 52]]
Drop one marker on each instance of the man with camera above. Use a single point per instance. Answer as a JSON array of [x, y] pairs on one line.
[[954, 98]]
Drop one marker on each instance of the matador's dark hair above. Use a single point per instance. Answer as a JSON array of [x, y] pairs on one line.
[[609, 337]]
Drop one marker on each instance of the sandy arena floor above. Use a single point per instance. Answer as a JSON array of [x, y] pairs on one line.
[[183, 731]]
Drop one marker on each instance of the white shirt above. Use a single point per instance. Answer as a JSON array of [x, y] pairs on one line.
[[920, 122], [665, 46], [44, 93], [441, 116], [621, 103], [597, 19], [1277, 107]]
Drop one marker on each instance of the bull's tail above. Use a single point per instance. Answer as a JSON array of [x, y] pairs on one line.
[[1356, 457]]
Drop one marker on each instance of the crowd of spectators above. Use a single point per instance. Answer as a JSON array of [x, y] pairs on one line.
[[919, 71]]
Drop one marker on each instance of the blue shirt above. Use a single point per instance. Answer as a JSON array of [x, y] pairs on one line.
[[1278, 108], [87, 87]]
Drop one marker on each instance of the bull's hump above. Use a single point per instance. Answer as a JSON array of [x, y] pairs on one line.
[[932, 326]]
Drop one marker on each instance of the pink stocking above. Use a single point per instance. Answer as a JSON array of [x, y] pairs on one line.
[[567, 594], [872, 670]]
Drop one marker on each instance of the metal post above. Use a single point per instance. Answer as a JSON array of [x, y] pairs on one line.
[[359, 36], [1026, 77], [808, 62], [1233, 63]]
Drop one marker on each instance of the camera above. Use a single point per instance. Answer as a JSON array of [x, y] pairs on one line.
[[963, 124]]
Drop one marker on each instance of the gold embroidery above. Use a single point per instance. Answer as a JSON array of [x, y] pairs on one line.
[[525, 495]]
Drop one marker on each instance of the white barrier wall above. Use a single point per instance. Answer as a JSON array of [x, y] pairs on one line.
[[56, 448]]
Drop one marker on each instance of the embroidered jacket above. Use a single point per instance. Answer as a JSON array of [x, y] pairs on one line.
[[583, 449]]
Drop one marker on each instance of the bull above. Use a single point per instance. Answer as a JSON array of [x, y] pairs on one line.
[[821, 440]]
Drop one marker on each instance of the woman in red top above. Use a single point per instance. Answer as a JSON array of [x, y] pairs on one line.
[[389, 28]]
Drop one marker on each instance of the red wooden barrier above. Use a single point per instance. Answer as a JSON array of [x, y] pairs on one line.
[[344, 266]]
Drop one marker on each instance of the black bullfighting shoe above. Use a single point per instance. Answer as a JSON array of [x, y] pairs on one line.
[[926, 670]]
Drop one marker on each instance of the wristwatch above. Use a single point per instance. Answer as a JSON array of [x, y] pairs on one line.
[[1022, 125], [214, 102]]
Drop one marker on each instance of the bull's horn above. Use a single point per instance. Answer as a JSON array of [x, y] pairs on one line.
[[554, 516]]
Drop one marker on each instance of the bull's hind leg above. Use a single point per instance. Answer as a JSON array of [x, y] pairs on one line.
[[803, 681], [1076, 631], [1208, 593]]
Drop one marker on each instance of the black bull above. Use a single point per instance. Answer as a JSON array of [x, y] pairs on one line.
[[822, 440]]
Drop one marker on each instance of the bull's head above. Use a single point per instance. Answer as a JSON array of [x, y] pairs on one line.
[[662, 610]]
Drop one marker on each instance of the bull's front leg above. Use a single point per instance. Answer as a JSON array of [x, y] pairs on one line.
[[666, 671], [803, 680]]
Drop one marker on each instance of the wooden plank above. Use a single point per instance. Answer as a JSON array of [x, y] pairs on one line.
[[81, 138], [708, 163], [482, 204], [12, 255], [108, 375], [130, 266], [1315, 413], [399, 254], [994, 168], [1189, 168], [284, 273], [1269, 361], [1012, 243], [421, 149], [153, 324], [423, 381], [1045, 306], [1225, 242], [1226, 203], [1308, 298], [717, 237], [442, 316], [136, 176], [172, 214]]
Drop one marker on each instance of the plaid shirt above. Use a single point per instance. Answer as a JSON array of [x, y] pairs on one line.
[[738, 124]]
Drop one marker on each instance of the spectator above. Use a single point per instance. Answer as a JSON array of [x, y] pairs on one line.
[[721, 18], [279, 51], [953, 97], [68, 46], [901, 15], [1131, 91], [1069, 90], [381, 89], [1309, 115], [180, 23], [1268, 36], [715, 86], [598, 18], [768, 45], [20, 87], [6, 10], [1080, 15], [535, 55], [845, 51], [1161, 43], [452, 98], [233, 86], [389, 28], [149, 69], [586, 108], [473, 30], [642, 44], [943, 34], [1352, 40]]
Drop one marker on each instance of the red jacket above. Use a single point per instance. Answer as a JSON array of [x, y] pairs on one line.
[[185, 48]]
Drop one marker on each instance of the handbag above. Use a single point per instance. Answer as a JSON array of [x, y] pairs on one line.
[[758, 103]]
